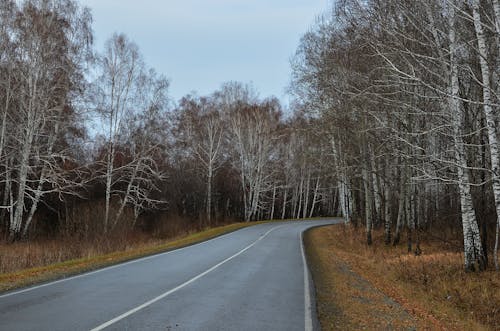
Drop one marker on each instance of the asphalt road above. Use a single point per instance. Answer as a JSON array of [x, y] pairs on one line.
[[251, 279]]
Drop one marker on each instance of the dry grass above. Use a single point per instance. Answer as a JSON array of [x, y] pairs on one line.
[[22, 264], [433, 287]]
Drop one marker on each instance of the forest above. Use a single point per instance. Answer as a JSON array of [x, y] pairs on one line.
[[406, 93], [394, 126], [91, 144]]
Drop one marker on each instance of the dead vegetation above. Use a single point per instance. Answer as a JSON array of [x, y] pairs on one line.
[[432, 287]]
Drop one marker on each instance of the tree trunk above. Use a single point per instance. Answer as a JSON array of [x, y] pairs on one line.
[[315, 196], [306, 193], [368, 205], [409, 216], [15, 226], [299, 204], [387, 216], [472, 241], [488, 111], [283, 210], [209, 194], [109, 179], [495, 252], [401, 207], [376, 191], [418, 219], [273, 202]]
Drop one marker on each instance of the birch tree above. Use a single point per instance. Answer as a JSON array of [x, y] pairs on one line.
[[124, 89], [252, 130], [51, 42], [472, 247], [491, 124], [145, 132], [401, 89], [203, 131]]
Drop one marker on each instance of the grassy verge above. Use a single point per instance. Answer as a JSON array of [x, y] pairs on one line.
[[94, 260], [432, 288]]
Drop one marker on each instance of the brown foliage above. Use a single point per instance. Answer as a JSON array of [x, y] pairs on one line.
[[433, 287]]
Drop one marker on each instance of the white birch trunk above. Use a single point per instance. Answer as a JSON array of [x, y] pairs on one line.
[[109, 179], [8, 96], [299, 204], [126, 197], [315, 196], [293, 208], [472, 242], [16, 224], [345, 195], [283, 210], [209, 193], [488, 111], [41, 181], [273, 202], [306, 193]]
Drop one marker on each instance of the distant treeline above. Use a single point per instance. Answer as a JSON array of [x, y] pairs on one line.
[[91, 144]]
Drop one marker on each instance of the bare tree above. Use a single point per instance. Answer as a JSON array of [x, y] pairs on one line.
[[202, 132], [50, 42], [493, 142], [251, 130], [124, 90]]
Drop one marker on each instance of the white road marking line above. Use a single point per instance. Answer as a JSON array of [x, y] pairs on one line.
[[308, 325], [195, 278], [111, 267]]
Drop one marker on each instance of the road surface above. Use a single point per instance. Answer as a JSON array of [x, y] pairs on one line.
[[251, 279]]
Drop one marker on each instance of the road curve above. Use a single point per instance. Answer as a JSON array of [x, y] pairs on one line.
[[251, 279]]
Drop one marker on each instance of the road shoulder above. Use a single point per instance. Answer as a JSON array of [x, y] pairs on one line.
[[345, 300]]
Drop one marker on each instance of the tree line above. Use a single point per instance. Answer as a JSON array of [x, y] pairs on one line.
[[394, 124], [92, 145], [406, 94]]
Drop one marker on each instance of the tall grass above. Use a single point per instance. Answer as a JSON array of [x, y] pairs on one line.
[[87, 242], [434, 283]]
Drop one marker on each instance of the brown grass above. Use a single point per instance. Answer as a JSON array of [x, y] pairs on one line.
[[433, 287], [22, 264]]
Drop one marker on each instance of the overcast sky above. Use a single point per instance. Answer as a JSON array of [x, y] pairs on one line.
[[199, 44]]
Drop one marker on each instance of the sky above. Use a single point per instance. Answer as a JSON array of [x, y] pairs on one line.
[[200, 44]]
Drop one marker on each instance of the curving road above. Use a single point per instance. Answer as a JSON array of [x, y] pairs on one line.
[[252, 279]]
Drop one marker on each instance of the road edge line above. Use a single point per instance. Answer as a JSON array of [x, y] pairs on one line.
[[308, 323]]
